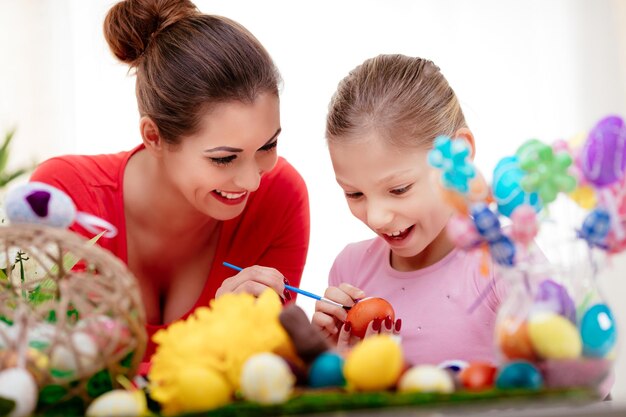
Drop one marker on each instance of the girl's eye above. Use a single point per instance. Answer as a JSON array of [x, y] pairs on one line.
[[401, 190], [225, 160], [353, 196], [269, 146]]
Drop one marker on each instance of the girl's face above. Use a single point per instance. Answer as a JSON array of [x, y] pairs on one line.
[[218, 167], [390, 190]]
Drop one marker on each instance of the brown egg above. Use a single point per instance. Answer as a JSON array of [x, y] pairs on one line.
[[513, 340]]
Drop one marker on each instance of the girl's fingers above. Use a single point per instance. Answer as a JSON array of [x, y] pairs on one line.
[[325, 323], [374, 327], [397, 326], [386, 326], [345, 336], [353, 292]]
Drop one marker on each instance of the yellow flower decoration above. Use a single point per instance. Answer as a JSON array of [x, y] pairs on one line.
[[211, 347]]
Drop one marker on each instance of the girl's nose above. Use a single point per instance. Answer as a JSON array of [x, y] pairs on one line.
[[378, 216]]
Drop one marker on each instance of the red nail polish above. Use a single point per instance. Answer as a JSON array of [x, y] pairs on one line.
[[376, 325], [388, 323], [347, 326], [287, 294], [286, 281], [398, 325]]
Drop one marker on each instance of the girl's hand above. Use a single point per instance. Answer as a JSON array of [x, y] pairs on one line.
[[254, 280], [347, 340], [329, 318]]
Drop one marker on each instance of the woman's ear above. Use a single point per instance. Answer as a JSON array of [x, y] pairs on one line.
[[150, 135], [466, 134]]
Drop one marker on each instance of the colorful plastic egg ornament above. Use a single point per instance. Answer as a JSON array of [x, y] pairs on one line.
[[596, 227], [553, 336], [519, 374], [603, 156], [598, 331], [327, 371], [525, 226], [462, 232], [513, 340], [506, 188], [554, 297]]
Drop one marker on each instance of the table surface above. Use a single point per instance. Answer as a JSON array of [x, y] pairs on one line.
[[521, 409]]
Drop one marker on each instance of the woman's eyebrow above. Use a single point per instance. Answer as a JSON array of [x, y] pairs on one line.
[[231, 149]]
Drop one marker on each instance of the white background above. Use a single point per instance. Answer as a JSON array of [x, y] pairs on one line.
[[521, 69]]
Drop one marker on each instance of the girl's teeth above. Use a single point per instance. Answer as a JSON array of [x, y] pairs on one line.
[[395, 234], [230, 196]]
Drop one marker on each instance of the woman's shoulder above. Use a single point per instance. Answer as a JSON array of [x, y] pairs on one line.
[[87, 169]]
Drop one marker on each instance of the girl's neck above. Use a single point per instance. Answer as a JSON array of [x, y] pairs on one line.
[[438, 249]]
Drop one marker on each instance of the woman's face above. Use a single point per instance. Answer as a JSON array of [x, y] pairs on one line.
[[390, 190], [218, 167]]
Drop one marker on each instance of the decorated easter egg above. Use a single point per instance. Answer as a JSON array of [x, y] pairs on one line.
[[19, 386], [39, 203], [519, 374], [462, 232], [524, 227], [596, 226], [367, 310], [478, 376], [198, 389], [506, 188], [327, 371], [119, 403], [374, 364], [266, 379], [512, 339], [603, 157], [426, 378], [554, 336], [554, 297], [598, 330]]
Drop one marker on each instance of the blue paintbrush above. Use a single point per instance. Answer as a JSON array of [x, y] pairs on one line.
[[298, 290]]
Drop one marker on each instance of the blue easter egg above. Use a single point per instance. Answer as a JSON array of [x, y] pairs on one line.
[[507, 190], [598, 331], [39, 203], [327, 371], [519, 374]]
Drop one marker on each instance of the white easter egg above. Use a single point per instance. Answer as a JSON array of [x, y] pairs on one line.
[[19, 385], [118, 403], [267, 379], [63, 359]]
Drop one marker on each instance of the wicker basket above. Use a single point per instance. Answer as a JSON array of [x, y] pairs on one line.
[[71, 313]]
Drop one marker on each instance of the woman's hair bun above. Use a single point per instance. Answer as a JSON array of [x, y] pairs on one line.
[[131, 25]]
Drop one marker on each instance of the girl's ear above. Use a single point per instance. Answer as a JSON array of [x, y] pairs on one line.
[[150, 136], [466, 134]]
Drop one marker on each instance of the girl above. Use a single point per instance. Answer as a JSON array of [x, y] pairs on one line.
[[382, 121], [205, 185]]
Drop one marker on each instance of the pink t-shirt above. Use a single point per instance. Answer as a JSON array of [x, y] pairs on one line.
[[433, 302]]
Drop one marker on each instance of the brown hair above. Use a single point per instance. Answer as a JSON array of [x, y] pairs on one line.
[[405, 100], [186, 61]]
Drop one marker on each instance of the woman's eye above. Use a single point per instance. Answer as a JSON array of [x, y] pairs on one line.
[[353, 196], [269, 146], [401, 190], [225, 160]]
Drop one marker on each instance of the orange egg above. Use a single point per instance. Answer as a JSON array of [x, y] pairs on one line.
[[478, 376], [366, 310], [513, 340]]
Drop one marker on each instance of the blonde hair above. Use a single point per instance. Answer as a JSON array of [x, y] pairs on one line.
[[405, 100]]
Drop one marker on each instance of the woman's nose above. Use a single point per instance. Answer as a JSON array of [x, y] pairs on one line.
[[249, 177]]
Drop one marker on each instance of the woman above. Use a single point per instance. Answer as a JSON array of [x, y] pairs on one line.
[[206, 184]]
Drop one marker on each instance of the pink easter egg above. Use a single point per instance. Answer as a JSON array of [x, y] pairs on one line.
[[462, 232], [525, 227]]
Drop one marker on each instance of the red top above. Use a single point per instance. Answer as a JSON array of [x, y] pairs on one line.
[[273, 229]]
